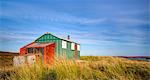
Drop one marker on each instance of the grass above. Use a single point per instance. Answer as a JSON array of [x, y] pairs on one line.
[[88, 68]]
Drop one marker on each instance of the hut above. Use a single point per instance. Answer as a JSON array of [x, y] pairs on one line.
[[51, 46]]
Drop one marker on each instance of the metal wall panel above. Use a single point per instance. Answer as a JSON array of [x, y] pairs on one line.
[[19, 60], [49, 52], [59, 51], [51, 38], [31, 59]]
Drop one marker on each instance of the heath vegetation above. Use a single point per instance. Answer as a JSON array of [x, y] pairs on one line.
[[87, 68]]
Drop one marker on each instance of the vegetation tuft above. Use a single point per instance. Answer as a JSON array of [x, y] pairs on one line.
[[88, 68]]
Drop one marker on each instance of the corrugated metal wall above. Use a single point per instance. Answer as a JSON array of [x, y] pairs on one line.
[[49, 53], [59, 51], [51, 38], [70, 54]]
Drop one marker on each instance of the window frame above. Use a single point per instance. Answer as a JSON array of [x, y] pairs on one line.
[[78, 47], [64, 44], [72, 46]]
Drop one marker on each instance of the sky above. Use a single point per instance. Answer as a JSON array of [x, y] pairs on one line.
[[102, 27]]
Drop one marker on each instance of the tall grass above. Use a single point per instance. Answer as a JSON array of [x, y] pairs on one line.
[[104, 68]]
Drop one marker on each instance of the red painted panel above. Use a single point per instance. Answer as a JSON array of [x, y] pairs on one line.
[[49, 53], [23, 49], [76, 52], [45, 55]]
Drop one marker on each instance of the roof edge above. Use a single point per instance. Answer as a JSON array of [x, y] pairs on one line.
[[55, 36]]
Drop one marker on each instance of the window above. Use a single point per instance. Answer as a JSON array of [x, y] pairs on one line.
[[72, 46], [64, 44], [30, 50], [78, 47]]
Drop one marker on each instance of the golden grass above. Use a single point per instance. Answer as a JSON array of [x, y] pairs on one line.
[[89, 68]]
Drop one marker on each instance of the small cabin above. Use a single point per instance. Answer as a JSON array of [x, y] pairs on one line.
[[50, 46]]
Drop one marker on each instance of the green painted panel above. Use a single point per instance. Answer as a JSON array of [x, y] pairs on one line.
[[59, 47], [51, 38], [64, 53], [72, 54], [69, 54], [59, 51], [47, 38], [78, 54]]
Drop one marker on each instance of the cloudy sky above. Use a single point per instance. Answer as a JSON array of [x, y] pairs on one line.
[[102, 27]]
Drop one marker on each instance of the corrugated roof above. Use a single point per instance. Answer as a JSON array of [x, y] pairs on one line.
[[39, 44], [59, 38]]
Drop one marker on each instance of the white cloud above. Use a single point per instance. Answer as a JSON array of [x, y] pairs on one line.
[[30, 12], [16, 37], [132, 21]]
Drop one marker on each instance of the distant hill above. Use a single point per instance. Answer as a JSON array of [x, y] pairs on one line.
[[6, 58], [8, 53]]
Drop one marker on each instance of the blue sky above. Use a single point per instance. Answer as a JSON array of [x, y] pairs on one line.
[[102, 27]]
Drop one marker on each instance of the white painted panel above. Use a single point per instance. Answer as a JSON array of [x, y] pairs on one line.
[[31, 59], [64, 44], [18, 60], [72, 46], [78, 47]]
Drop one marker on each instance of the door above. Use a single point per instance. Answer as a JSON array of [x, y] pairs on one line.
[[49, 52], [76, 52]]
